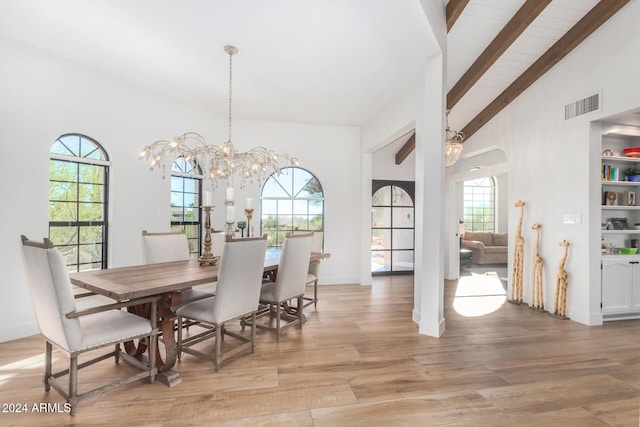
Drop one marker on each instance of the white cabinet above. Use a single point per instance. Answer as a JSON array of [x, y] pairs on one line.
[[620, 287]]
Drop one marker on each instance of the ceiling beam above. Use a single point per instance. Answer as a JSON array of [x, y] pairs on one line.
[[454, 10], [511, 31], [597, 16], [406, 149]]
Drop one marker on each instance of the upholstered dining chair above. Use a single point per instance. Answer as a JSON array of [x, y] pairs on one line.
[[239, 280], [290, 284], [312, 274], [218, 239], [75, 331], [169, 247]]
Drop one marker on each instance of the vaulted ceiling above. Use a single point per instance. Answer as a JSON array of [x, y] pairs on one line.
[[498, 48], [333, 62], [323, 62]]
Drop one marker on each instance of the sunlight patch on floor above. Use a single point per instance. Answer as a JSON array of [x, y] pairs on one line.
[[479, 295], [12, 369]]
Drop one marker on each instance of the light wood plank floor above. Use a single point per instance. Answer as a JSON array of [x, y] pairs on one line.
[[359, 360]]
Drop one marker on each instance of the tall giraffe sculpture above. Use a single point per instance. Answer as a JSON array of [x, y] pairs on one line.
[[536, 292], [560, 304], [518, 258]]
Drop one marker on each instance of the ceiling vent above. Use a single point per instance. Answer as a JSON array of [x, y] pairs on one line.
[[583, 106]]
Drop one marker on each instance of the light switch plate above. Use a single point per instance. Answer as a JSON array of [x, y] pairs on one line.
[[572, 219]]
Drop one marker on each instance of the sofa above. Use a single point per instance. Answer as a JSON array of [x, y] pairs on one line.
[[486, 247]]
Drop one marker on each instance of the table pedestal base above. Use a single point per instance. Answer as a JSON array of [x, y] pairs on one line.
[[169, 377]]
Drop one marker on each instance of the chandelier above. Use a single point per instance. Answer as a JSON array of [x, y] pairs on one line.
[[452, 145], [219, 162]]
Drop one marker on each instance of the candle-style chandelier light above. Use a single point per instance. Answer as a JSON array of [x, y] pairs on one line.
[[218, 162], [452, 145]]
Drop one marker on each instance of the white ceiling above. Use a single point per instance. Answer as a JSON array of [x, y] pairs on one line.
[[325, 62]]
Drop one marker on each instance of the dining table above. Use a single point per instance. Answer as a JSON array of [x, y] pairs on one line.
[[165, 280]]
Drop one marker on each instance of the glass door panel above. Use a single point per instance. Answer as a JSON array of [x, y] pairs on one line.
[[392, 233]]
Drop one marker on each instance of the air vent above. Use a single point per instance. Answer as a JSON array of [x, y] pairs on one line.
[[583, 106]]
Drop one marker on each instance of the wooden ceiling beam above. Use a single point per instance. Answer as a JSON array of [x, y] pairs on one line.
[[511, 31], [454, 10], [597, 16], [406, 149]]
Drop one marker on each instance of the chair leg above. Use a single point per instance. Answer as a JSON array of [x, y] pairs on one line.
[[179, 349], [216, 356], [153, 342], [253, 331], [73, 383], [300, 310], [278, 315], [315, 294], [116, 353], [47, 364]]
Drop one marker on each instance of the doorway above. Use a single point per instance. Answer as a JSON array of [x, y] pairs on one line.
[[392, 227]]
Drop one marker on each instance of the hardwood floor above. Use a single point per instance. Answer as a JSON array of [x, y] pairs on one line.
[[360, 361]]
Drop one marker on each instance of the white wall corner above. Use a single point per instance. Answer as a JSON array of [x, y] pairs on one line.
[[586, 318], [415, 316], [432, 329]]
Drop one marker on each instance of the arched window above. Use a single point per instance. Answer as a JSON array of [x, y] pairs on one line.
[[186, 191], [479, 201], [78, 201], [392, 222], [294, 200]]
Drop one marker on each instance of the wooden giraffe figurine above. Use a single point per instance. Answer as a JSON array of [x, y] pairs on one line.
[[518, 258], [560, 304], [536, 292]]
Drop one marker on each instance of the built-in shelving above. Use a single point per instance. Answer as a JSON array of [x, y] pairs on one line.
[[621, 159], [620, 273], [621, 183], [620, 208], [620, 232]]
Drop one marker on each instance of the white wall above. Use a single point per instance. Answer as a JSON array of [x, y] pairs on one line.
[[384, 164], [419, 107], [549, 160], [332, 154], [395, 119], [44, 96]]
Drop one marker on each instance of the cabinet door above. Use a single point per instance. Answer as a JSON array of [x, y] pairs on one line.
[[635, 302], [617, 287]]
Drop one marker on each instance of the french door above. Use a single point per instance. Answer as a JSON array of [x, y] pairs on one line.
[[392, 227]]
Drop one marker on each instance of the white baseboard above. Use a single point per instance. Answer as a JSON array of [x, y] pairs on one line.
[[589, 319], [432, 329], [19, 331], [340, 281]]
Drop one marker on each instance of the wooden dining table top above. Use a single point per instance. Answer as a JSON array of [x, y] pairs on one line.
[[139, 281]]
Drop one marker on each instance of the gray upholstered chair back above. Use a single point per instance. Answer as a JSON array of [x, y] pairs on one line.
[[293, 266], [239, 277], [318, 239], [164, 247], [51, 293], [218, 239]]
